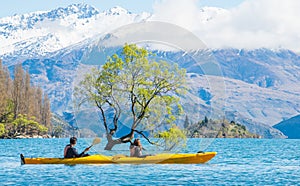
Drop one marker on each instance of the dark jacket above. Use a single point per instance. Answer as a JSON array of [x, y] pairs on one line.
[[71, 152]]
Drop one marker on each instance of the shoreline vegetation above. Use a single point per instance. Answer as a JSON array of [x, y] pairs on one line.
[[24, 109], [207, 128]]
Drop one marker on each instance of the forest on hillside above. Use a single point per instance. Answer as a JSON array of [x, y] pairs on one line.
[[24, 108]]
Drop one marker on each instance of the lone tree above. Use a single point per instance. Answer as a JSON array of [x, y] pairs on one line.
[[134, 87]]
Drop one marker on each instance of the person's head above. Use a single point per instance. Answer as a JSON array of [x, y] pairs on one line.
[[137, 142], [73, 140]]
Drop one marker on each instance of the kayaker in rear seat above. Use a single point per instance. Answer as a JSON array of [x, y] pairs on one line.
[[136, 149], [71, 152]]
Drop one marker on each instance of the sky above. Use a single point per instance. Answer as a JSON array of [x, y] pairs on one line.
[[249, 24], [246, 24]]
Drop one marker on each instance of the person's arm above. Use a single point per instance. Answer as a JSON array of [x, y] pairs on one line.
[[81, 154], [85, 150], [141, 149], [73, 152]]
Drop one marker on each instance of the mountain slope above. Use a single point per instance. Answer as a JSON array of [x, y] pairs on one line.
[[290, 127], [267, 68]]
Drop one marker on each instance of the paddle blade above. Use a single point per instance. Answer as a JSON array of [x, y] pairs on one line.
[[96, 141]]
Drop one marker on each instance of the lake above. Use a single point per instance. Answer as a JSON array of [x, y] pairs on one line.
[[238, 162]]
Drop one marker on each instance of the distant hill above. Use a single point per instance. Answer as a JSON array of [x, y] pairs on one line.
[[290, 127], [219, 129], [61, 128]]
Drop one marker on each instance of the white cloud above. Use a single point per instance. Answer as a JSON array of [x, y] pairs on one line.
[[177, 11], [252, 24]]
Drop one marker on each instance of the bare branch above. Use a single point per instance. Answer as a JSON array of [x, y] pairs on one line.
[[141, 133]]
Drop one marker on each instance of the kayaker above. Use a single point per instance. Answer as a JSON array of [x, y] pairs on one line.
[[71, 152], [136, 149]]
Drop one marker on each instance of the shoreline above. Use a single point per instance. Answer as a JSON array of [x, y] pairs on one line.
[[46, 136]]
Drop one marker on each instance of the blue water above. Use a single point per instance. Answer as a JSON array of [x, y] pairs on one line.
[[238, 162]]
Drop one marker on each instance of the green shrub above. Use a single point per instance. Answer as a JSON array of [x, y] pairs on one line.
[[174, 137], [2, 129]]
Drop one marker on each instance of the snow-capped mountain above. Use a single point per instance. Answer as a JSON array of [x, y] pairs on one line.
[[40, 33], [259, 87]]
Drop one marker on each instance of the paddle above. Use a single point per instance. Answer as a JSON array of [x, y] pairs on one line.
[[95, 142]]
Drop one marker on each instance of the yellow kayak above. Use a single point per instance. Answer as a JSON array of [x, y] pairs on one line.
[[201, 157]]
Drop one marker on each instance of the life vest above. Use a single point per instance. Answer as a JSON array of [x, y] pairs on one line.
[[66, 150]]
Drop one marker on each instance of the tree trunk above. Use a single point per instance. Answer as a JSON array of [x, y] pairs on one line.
[[111, 142]]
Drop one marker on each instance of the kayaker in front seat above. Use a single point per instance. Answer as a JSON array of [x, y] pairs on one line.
[[71, 152]]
